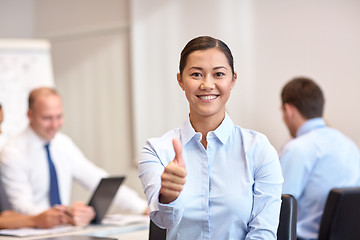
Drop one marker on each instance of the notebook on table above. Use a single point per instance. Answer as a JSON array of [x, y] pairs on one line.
[[104, 195]]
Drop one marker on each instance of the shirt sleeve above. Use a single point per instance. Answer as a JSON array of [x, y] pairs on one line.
[[14, 176], [266, 193], [150, 170]]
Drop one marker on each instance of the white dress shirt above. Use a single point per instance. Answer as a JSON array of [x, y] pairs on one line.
[[25, 174]]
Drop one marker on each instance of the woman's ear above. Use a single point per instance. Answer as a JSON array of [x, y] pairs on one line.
[[234, 78], [180, 81]]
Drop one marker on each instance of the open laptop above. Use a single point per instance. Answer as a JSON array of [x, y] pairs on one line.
[[103, 196]]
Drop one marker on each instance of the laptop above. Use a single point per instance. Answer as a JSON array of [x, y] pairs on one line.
[[103, 196]]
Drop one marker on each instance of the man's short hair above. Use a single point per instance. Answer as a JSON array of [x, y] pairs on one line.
[[305, 95], [45, 91]]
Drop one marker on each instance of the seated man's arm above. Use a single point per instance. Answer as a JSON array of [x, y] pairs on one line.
[[50, 218]]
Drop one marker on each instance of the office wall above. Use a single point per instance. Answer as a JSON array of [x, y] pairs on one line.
[[16, 19], [90, 42], [90, 54], [272, 42], [103, 67], [319, 39]]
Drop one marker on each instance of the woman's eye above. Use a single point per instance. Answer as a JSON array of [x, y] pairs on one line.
[[196, 74], [219, 74]]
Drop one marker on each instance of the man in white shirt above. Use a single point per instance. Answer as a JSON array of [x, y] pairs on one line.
[[11, 219], [25, 168]]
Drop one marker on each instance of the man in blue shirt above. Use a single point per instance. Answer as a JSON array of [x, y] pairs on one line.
[[317, 159]]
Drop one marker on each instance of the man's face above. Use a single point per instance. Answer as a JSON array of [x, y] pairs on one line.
[[46, 116]]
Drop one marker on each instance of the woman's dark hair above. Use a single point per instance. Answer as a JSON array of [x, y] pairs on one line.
[[203, 43], [305, 95]]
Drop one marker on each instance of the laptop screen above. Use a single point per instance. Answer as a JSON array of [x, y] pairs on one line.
[[104, 195]]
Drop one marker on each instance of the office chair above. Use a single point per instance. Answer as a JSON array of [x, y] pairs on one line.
[[287, 224], [288, 215], [156, 233], [341, 217]]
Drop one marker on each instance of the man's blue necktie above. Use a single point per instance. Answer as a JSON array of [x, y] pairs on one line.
[[54, 187]]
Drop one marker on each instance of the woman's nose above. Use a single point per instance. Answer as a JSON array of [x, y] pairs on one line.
[[207, 84]]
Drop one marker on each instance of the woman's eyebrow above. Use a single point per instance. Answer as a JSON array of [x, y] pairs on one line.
[[197, 68], [215, 68]]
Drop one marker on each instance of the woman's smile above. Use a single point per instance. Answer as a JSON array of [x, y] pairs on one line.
[[208, 97]]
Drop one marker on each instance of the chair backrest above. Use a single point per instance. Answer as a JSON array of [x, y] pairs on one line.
[[156, 233], [341, 217], [288, 215], [286, 229]]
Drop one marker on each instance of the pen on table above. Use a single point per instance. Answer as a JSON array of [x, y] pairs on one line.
[[66, 211], [69, 214]]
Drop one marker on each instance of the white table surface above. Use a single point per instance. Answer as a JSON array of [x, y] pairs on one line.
[[138, 231]]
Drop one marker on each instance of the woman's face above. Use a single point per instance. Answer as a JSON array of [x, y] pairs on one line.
[[207, 80]]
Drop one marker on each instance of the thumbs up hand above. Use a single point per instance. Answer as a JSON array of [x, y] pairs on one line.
[[173, 177]]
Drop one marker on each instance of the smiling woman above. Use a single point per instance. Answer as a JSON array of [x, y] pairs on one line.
[[196, 176]]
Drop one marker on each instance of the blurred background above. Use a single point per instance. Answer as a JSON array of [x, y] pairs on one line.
[[115, 63]]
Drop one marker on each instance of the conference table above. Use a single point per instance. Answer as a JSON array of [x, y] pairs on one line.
[[131, 231]]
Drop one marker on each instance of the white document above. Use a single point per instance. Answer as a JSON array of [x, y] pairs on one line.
[[124, 219], [25, 232]]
